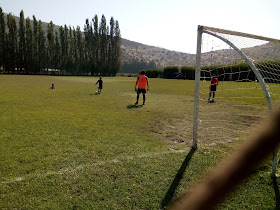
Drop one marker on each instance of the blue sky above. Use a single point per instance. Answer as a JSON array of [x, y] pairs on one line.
[[170, 24]]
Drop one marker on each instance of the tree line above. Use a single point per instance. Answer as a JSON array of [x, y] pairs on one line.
[[27, 48]]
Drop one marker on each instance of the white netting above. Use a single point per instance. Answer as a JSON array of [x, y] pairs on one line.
[[240, 101]]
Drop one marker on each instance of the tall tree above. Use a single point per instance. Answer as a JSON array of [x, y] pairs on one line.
[[63, 35], [71, 49], [29, 67], [22, 42], [80, 50], [66, 47], [2, 40], [41, 48], [62, 48], [111, 46], [57, 54], [11, 43], [50, 46], [88, 32], [35, 46], [117, 49], [103, 44], [96, 45]]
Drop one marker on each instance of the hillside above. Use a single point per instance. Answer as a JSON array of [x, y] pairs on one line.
[[162, 57]]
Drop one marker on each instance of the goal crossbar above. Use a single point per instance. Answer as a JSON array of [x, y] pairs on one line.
[[219, 30]]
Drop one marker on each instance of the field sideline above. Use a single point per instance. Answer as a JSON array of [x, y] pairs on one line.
[[69, 148]]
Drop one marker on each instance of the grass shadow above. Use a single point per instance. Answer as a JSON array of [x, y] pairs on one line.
[[134, 106], [172, 189], [277, 194]]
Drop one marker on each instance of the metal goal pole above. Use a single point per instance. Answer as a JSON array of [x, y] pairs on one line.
[[196, 90]]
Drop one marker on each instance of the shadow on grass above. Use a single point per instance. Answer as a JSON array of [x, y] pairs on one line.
[[134, 106], [277, 194], [172, 189]]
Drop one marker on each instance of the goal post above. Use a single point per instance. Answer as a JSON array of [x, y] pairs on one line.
[[248, 70], [196, 90]]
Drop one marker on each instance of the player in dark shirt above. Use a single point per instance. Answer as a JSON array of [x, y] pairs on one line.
[[100, 81]]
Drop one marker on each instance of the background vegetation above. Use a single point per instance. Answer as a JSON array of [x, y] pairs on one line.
[[27, 48]]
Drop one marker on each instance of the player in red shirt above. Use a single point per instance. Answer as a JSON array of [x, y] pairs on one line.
[[142, 81], [213, 87]]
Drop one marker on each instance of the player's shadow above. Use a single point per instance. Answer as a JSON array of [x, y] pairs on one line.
[[172, 189], [134, 106], [277, 194]]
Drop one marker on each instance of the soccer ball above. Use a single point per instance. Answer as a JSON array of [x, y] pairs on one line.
[[96, 92]]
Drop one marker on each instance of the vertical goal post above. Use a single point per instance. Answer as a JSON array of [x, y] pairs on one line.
[[265, 69]]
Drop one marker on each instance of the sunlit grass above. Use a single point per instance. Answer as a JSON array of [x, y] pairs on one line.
[[69, 148]]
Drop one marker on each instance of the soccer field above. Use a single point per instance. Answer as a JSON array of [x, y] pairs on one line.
[[69, 148]]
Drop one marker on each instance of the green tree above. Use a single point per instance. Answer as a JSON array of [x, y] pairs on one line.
[[63, 34], [11, 43], [89, 43], [29, 47], [57, 53], [50, 54], [35, 46], [71, 59], [22, 43], [117, 49], [111, 46], [2, 40], [41, 48], [79, 50], [103, 45], [74, 51], [96, 45]]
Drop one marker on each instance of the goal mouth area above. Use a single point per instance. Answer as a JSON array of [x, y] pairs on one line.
[[248, 70]]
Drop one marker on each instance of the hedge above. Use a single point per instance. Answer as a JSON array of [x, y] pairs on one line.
[[154, 73], [170, 72]]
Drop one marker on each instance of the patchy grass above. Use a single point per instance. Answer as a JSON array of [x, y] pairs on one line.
[[68, 148]]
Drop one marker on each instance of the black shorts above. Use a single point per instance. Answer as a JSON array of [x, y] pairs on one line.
[[213, 88], [141, 91]]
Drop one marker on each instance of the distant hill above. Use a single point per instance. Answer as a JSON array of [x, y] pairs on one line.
[[162, 57]]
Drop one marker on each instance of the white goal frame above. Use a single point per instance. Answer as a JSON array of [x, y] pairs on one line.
[[211, 31]]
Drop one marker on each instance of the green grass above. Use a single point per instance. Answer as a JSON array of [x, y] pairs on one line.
[[68, 148]]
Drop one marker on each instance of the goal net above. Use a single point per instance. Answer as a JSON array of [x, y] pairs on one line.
[[248, 71]]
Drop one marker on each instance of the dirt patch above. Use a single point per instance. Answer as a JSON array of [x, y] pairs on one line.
[[177, 132]]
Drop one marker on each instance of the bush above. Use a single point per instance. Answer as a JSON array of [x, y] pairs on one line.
[[154, 73], [170, 72], [188, 72]]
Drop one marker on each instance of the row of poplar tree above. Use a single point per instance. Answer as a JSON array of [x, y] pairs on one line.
[[26, 48]]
